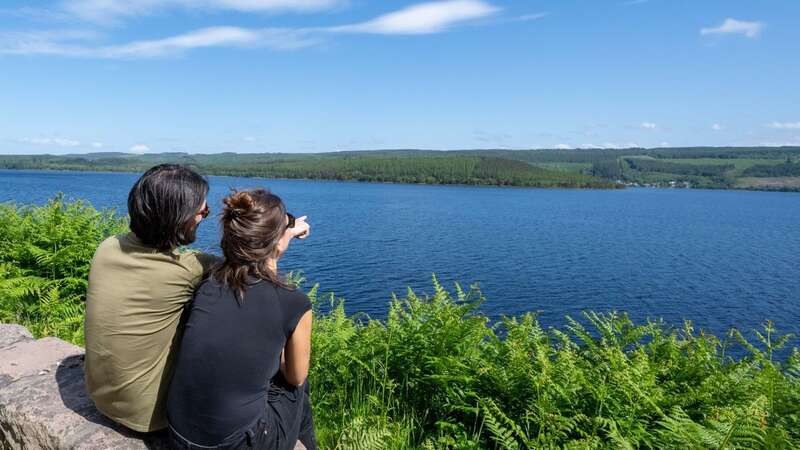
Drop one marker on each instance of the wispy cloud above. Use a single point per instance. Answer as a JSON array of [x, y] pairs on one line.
[[529, 17], [112, 11], [423, 18], [733, 26], [648, 125], [33, 43], [634, 2], [97, 145], [274, 38], [609, 145], [785, 125], [563, 147], [139, 149], [716, 127], [51, 141]]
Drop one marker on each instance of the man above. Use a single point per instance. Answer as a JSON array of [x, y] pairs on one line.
[[139, 283]]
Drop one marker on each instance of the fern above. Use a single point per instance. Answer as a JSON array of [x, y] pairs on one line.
[[362, 435]]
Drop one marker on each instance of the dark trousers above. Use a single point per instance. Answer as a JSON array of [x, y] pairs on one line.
[[286, 420]]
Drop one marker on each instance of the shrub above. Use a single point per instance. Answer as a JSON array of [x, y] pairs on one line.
[[44, 263]]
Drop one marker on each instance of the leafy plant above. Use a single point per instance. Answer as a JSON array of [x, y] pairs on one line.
[[45, 254]]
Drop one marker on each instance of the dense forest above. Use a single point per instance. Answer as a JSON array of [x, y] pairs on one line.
[[775, 168], [786, 169], [434, 168]]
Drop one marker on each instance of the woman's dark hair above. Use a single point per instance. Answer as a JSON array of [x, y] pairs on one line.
[[163, 203], [253, 222]]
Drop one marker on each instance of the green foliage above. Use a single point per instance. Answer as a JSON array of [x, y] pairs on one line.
[[397, 167], [441, 371], [655, 165], [707, 167], [438, 374], [44, 263], [786, 169]]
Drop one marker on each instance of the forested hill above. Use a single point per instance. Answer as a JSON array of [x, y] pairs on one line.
[[773, 168], [400, 167]]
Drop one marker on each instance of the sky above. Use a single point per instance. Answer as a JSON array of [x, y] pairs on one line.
[[207, 76]]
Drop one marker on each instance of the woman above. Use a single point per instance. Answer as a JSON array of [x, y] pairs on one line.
[[240, 375]]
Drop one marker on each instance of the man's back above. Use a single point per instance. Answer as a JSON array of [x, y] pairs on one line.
[[134, 304]]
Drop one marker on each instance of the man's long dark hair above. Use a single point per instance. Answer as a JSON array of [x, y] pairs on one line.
[[163, 203]]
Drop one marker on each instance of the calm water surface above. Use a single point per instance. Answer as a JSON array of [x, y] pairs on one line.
[[719, 258]]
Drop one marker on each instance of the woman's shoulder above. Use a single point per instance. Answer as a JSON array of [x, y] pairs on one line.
[[294, 303], [291, 294]]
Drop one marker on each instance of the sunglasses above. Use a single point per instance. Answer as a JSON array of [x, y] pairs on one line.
[[291, 220], [205, 211]]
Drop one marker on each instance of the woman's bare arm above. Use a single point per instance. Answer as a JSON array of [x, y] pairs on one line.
[[297, 352]]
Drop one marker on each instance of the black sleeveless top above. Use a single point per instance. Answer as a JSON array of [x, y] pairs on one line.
[[229, 352]]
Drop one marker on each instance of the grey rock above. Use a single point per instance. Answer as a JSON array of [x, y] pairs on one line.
[[13, 333], [44, 403]]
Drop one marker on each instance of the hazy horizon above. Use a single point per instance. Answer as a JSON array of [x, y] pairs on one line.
[[112, 152]]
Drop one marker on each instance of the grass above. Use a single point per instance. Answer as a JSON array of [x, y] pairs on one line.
[[437, 374], [771, 183], [573, 167]]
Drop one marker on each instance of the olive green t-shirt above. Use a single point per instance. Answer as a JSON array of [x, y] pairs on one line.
[[134, 305]]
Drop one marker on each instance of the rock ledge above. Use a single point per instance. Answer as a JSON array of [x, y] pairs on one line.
[[43, 399]]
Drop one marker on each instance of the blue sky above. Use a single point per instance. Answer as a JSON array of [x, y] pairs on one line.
[[205, 76]]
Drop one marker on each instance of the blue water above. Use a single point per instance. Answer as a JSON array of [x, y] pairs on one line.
[[719, 258]]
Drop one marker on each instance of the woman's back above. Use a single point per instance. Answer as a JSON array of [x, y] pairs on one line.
[[229, 352]]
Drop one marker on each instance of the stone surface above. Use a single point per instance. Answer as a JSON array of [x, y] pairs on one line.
[[44, 404], [12, 333], [29, 357]]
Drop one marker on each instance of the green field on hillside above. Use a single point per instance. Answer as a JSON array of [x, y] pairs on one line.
[[702, 167]]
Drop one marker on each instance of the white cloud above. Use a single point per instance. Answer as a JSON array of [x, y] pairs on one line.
[[423, 18], [733, 26], [634, 2], [112, 11], [139, 149], [275, 38], [716, 127], [97, 145], [663, 144], [648, 125], [785, 125], [59, 142], [249, 139], [563, 147]]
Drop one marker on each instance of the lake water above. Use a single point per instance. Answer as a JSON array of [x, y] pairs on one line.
[[719, 258]]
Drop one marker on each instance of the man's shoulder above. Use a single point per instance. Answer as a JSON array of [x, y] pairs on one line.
[[109, 245], [197, 261]]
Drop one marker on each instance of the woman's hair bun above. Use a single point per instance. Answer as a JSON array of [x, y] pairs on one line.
[[238, 204]]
